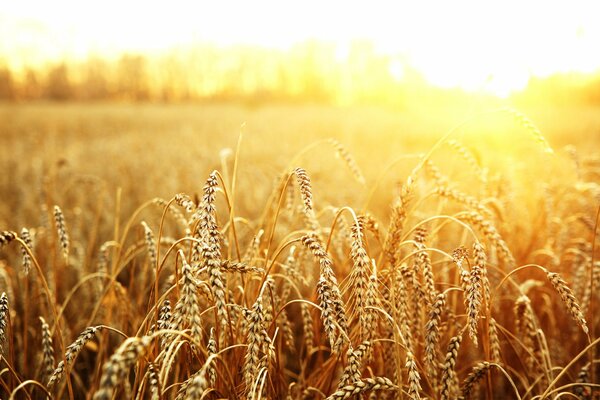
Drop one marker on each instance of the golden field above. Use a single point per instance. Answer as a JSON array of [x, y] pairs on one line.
[[298, 251]]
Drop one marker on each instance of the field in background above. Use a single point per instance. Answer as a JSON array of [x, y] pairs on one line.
[[159, 150], [491, 180]]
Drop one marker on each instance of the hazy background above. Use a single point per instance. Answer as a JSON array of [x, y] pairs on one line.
[[146, 95]]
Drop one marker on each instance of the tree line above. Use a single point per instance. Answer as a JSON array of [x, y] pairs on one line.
[[311, 71]]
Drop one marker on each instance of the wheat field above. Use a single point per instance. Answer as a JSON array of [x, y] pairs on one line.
[[298, 252]]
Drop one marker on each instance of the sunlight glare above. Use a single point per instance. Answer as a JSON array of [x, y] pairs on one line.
[[492, 47]]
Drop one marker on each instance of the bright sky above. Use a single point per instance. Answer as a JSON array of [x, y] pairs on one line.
[[477, 45]]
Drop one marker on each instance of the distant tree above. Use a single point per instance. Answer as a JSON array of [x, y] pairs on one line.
[[58, 85], [30, 88], [7, 87], [132, 76], [95, 83]]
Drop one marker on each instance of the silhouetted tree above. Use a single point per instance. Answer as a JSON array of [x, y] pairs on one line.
[[58, 85], [7, 89], [30, 88], [132, 75], [95, 83]]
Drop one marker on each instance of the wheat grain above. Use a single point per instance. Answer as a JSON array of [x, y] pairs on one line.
[[211, 350], [526, 327], [256, 343], [530, 126], [153, 381], [583, 392], [352, 371], [473, 300], [4, 315], [568, 299], [432, 336], [242, 268], [476, 374], [491, 234], [71, 353], [47, 351], [448, 368], [360, 278], [361, 386], [305, 189], [307, 328], [468, 156], [210, 248], [150, 244], [114, 371], [332, 305], [414, 379], [397, 221], [252, 249], [188, 305], [403, 306], [494, 341], [462, 198], [6, 237], [348, 159], [61, 228], [424, 264], [183, 200], [26, 236]]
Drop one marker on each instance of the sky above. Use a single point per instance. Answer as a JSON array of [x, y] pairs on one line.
[[498, 45]]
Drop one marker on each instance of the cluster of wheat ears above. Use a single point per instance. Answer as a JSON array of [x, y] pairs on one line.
[[194, 301]]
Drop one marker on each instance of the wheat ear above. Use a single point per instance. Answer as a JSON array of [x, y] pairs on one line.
[[47, 351], [116, 368], [363, 385], [71, 353], [61, 228], [568, 298]]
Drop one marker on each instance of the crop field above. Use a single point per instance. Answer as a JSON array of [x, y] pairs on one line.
[[220, 251]]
